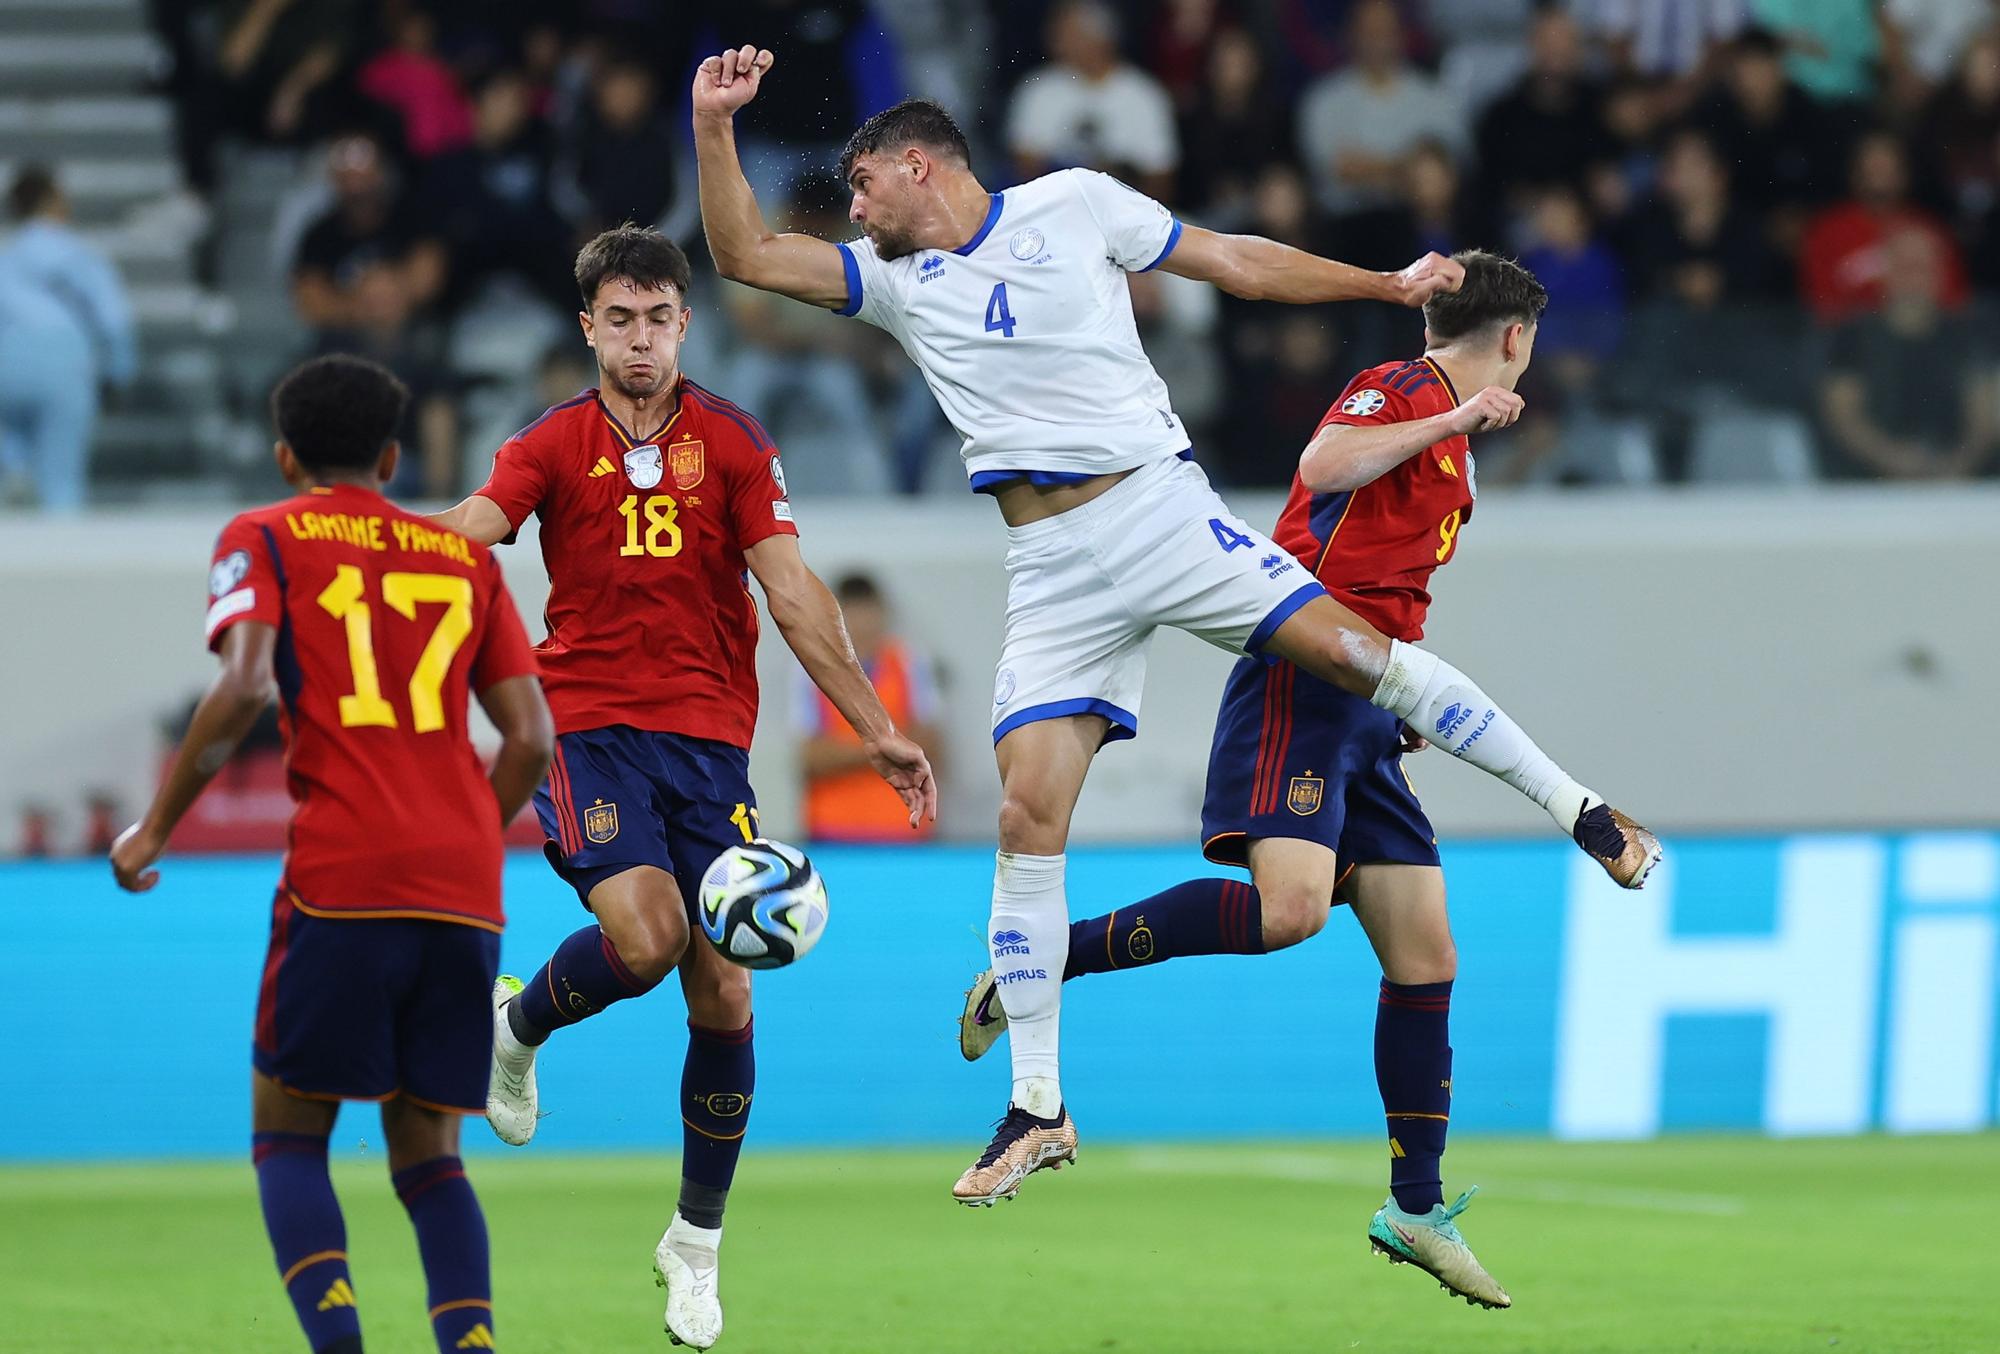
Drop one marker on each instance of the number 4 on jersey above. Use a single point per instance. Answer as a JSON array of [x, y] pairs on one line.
[[1227, 537], [997, 315]]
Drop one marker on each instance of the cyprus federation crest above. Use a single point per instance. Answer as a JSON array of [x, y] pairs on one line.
[[643, 466]]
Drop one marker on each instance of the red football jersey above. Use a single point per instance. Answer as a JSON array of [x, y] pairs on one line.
[[1375, 547], [651, 623], [386, 624]]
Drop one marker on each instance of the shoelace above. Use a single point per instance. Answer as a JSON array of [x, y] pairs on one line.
[[1598, 833], [1015, 1125]]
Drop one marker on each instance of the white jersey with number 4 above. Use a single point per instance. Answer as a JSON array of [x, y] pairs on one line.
[[1025, 333]]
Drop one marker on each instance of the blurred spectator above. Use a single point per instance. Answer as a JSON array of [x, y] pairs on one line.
[[839, 67], [47, 250], [1315, 37], [366, 275], [1087, 107], [1579, 333], [1628, 158], [1693, 246], [493, 201], [48, 395], [1843, 264], [1781, 142], [1182, 39], [1909, 393], [795, 367], [1923, 41], [1355, 128], [623, 158], [1238, 125], [1678, 42], [277, 61], [1433, 214], [845, 800], [409, 77], [1549, 126], [1831, 46], [1961, 126]]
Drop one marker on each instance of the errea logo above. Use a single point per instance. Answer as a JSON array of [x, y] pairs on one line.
[[931, 269]]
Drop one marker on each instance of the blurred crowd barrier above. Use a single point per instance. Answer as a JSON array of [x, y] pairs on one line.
[[1731, 660]]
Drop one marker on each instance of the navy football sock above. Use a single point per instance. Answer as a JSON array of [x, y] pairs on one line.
[[582, 977], [717, 1083], [1413, 1070], [451, 1238], [1201, 916], [308, 1236]]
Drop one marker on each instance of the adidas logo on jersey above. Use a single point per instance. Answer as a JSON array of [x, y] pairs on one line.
[[340, 1295], [479, 1337], [603, 467]]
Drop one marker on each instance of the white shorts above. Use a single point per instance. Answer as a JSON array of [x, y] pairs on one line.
[[1087, 588]]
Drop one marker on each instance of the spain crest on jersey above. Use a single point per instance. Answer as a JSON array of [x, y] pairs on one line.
[[600, 821], [642, 466], [1305, 795], [686, 464]]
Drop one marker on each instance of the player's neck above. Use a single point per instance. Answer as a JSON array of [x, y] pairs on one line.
[[640, 417], [962, 209], [322, 481], [1467, 373]]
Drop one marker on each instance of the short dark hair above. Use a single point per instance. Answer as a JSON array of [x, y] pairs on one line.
[[1496, 291], [857, 588], [913, 122], [338, 412], [33, 189], [636, 254]]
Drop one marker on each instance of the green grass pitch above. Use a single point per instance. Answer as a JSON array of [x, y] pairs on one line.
[[1688, 1244]]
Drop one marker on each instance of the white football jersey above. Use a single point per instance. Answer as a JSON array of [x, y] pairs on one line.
[[1025, 334]]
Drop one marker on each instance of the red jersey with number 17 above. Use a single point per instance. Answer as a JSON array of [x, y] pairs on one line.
[[1375, 547], [651, 623], [386, 623]]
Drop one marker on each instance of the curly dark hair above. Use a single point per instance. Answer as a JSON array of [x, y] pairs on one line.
[[913, 122], [636, 254], [338, 412]]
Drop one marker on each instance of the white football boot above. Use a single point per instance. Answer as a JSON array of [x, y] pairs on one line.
[[685, 1264], [512, 1106]]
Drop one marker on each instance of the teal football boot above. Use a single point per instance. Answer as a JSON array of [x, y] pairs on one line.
[[1431, 1242]]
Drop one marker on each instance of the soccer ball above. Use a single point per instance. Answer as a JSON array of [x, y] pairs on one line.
[[762, 904]]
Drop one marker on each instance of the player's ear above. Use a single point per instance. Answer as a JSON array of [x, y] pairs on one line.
[[288, 462], [1510, 341], [385, 464], [583, 320], [1429, 342]]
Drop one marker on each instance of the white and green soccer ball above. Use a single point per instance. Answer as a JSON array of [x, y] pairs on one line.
[[763, 905]]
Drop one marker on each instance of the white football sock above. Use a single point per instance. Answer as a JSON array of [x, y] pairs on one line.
[[1448, 708], [1028, 938]]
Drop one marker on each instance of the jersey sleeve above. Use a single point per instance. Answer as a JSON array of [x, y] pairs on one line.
[[759, 506], [869, 294], [519, 478], [243, 580], [1138, 231], [1369, 402], [503, 650]]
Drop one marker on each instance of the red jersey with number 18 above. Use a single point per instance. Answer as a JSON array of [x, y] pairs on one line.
[[386, 623], [651, 623], [1375, 547]]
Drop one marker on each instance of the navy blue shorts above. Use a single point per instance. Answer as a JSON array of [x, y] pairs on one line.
[[618, 797], [1295, 757], [370, 1008]]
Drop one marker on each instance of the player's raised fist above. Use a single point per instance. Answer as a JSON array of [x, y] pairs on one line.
[[1491, 408], [1427, 277], [723, 84]]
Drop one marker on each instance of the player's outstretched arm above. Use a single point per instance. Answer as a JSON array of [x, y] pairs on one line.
[[527, 740], [226, 713], [477, 518], [809, 618], [1344, 456], [744, 248], [1258, 269]]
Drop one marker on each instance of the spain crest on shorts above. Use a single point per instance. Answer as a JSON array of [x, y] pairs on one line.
[[1305, 795], [600, 822], [685, 464]]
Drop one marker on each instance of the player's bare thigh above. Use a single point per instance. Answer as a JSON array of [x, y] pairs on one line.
[[1295, 880], [641, 912], [1042, 769], [1402, 909], [1334, 645]]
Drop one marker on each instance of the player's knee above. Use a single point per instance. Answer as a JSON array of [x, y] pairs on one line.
[[1426, 960], [1294, 911], [718, 995], [1030, 826], [651, 951], [414, 1133]]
